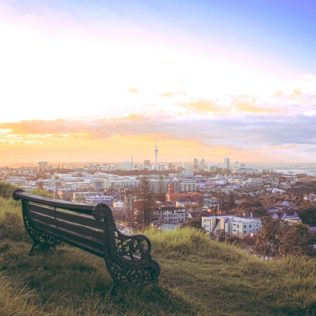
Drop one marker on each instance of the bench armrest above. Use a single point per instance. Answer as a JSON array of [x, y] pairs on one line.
[[133, 248]]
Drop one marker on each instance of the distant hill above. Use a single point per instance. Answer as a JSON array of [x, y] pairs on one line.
[[198, 277]]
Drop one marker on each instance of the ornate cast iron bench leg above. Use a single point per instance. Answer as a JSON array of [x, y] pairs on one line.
[[127, 258], [40, 240]]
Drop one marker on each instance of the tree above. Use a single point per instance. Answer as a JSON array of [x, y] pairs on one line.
[[231, 200], [308, 216], [295, 240], [268, 238], [148, 202], [278, 238]]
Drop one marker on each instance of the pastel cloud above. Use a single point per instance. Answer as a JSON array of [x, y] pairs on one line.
[[133, 90], [171, 94], [203, 106], [251, 138]]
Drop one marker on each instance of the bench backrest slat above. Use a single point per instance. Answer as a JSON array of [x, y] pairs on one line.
[[63, 214], [80, 229], [44, 226], [81, 241], [43, 218], [86, 220]]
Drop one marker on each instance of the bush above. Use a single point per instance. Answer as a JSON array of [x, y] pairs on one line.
[[308, 216], [278, 238], [6, 190]]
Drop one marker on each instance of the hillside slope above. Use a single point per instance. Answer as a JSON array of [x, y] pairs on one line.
[[198, 276]]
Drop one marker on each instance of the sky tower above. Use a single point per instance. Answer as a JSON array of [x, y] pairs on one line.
[[156, 155]]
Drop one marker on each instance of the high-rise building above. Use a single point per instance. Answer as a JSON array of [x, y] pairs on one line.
[[195, 164], [202, 164], [226, 163], [156, 156], [146, 164]]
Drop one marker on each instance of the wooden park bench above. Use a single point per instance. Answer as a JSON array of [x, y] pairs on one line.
[[51, 221]]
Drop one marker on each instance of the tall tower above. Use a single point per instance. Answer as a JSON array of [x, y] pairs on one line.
[[156, 155], [226, 163]]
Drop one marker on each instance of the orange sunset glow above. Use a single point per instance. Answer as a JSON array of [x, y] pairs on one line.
[[106, 83]]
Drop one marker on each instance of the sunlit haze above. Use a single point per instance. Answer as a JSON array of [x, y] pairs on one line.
[[104, 80]]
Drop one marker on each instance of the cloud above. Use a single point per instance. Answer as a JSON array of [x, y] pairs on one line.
[[44, 126], [247, 127], [171, 94], [248, 104], [133, 90], [203, 106]]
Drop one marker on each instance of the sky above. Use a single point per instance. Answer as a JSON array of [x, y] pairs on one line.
[[104, 80]]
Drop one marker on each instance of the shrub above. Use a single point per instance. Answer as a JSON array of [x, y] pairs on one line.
[[278, 238], [6, 190]]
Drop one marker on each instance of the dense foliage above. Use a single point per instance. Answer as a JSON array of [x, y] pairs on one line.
[[279, 238], [308, 216]]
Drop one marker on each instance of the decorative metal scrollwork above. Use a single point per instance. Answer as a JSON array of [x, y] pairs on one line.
[[134, 248], [130, 263], [127, 258], [138, 277], [40, 240]]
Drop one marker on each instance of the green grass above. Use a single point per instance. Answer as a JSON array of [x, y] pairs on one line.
[[198, 277]]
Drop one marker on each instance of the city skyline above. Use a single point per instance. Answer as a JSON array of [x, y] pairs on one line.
[[99, 82]]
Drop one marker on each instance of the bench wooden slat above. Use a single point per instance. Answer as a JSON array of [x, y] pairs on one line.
[[96, 251], [42, 217], [80, 229], [76, 228], [79, 219], [76, 207], [42, 209], [72, 239], [69, 216], [80, 239], [48, 228], [63, 233]]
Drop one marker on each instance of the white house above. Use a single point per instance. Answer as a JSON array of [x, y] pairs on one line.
[[231, 225], [172, 215]]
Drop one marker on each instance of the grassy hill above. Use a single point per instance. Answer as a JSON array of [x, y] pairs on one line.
[[198, 277]]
